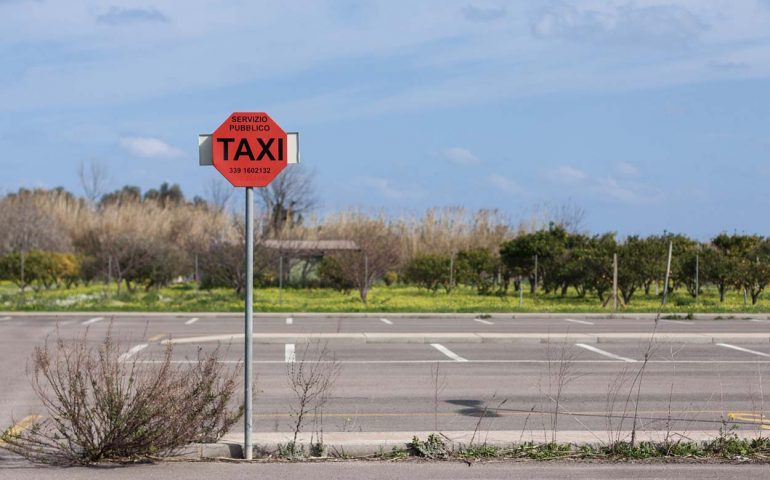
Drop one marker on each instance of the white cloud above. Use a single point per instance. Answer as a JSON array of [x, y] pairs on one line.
[[384, 187], [503, 183], [475, 13], [567, 174], [461, 156], [660, 26], [150, 147], [628, 193], [626, 169]]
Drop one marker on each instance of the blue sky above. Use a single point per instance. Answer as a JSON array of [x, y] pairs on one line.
[[650, 115]]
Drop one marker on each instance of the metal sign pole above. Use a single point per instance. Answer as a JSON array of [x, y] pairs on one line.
[[668, 272], [249, 325]]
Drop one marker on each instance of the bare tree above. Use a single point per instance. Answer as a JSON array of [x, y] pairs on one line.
[[94, 179], [28, 225], [288, 199], [218, 193], [378, 248], [567, 215]]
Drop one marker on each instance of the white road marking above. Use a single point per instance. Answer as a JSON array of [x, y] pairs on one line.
[[289, 356], [587, 362], [132, 352], [582, 322], [289, 321], [485, 322], [741, 349], [2, 319], [191, 321], [68, 322], [386, 321], [207, 338], [449, 353], [757, 320], [92, 321], [591, 348], [680, 322]]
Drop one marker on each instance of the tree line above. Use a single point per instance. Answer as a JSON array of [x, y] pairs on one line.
[[134, 239]]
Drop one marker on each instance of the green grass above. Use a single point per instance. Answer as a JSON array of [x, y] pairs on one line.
[[725, 447], [187, 298]]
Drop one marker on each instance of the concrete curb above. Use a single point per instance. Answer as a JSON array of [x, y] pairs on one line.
[[512, 314], [425, 338], [364, 444]]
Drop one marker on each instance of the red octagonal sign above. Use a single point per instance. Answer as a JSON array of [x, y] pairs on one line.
[[249, 149]]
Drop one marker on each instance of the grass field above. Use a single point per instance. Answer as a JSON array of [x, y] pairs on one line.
[[187, 298]]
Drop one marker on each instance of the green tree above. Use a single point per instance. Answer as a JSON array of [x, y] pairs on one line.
[[477, 268], [429, 271]]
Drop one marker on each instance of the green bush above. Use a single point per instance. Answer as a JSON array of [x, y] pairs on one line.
[[331, 275], [429, 271]]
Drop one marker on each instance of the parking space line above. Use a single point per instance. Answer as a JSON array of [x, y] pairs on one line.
[[386, 321], [607, 354], [133, 351], [289, 321], [485, 322], [157, 337], [741, 349], [2, 319], [449, 353], [191, 321], [92, 321], [289, 355], [582, 322], [757, 320], [22, 425], [680, 322]]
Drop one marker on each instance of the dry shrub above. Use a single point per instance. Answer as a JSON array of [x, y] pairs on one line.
[[101, 407], [312, 378]]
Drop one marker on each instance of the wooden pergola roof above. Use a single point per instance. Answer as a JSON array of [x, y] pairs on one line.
[[311, 247]]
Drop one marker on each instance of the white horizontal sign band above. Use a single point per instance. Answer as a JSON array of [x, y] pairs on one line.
[[205, 150]]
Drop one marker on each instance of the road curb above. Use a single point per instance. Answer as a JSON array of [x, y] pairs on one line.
[[367, 444], [499, 315]]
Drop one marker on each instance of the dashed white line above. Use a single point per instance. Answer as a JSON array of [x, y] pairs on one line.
[[449, 353], [132, 352], [582, 322], [758, 320], [2, 319], [741, 349], [191, 321], [680, 322], [289, 356], [289, 321], [386, 321], [607, 354], [485, 322], [92, 321]]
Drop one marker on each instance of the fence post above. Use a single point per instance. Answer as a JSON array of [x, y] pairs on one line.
[[614, 283], [280, 280], [697, 280]]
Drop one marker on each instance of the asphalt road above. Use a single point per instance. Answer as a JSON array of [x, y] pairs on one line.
[[690, 382]]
